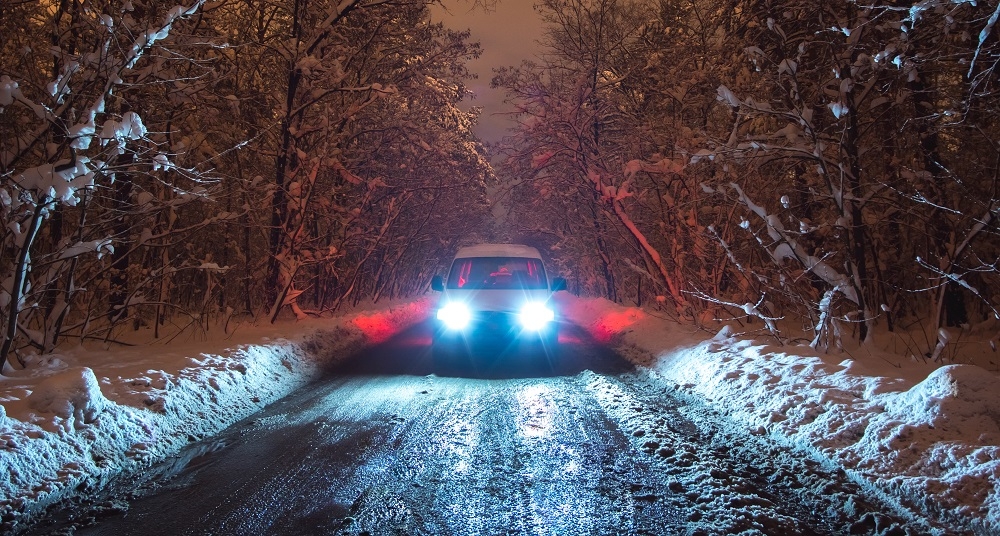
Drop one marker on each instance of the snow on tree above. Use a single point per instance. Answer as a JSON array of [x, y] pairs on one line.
[[584, 140], [832, 162], [137, 146], [357, 75], [67, 133], [839, 131]]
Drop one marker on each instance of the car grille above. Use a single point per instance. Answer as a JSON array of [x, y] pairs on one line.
[[499, 322]]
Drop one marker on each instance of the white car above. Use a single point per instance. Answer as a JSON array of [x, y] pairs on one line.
[[496, 293]]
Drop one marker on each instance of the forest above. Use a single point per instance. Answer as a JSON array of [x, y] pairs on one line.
[[829, 165]]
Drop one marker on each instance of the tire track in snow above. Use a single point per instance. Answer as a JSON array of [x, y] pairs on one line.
[[727, 480]]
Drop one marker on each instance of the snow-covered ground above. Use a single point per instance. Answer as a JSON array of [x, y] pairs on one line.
[[920, 435], [923, 436]]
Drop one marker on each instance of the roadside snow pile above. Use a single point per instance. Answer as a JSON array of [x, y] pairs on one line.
[[73, 421], [73, 396], [923, 436]]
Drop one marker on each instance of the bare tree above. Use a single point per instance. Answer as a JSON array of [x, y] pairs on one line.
[[68, 133]]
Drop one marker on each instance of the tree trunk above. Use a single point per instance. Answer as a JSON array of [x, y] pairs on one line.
[[603, 252], [21, 269], [286, 159], [857, 234], [120, 257]]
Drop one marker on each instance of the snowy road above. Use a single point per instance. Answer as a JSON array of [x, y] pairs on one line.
[[389, 445]]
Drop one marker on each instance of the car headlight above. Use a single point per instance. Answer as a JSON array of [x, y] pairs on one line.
[[455, 315], [536, 316]]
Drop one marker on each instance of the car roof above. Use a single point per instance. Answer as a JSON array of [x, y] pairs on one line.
[[498, 250]]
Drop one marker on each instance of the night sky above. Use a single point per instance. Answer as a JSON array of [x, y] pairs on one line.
[[508, 35]]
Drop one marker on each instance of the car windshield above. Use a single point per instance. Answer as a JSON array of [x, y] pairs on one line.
[[497, 273]]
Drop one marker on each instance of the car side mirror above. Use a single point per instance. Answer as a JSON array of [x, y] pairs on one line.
[[558, 284], [437, 283]]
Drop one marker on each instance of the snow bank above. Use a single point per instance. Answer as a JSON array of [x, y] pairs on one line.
[[73, 397], [924, 437], [71, 422]]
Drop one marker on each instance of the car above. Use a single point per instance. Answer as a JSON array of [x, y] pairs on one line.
[[494, 298]]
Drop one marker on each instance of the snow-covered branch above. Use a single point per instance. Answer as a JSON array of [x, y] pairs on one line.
[[67, 120]]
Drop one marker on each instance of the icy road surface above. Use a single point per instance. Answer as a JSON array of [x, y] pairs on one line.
[[387, 444]]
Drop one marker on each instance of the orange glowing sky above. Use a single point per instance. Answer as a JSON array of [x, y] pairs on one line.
[[508, 35]]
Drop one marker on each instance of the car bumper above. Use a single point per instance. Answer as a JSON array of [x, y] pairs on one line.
[[496, 328]]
